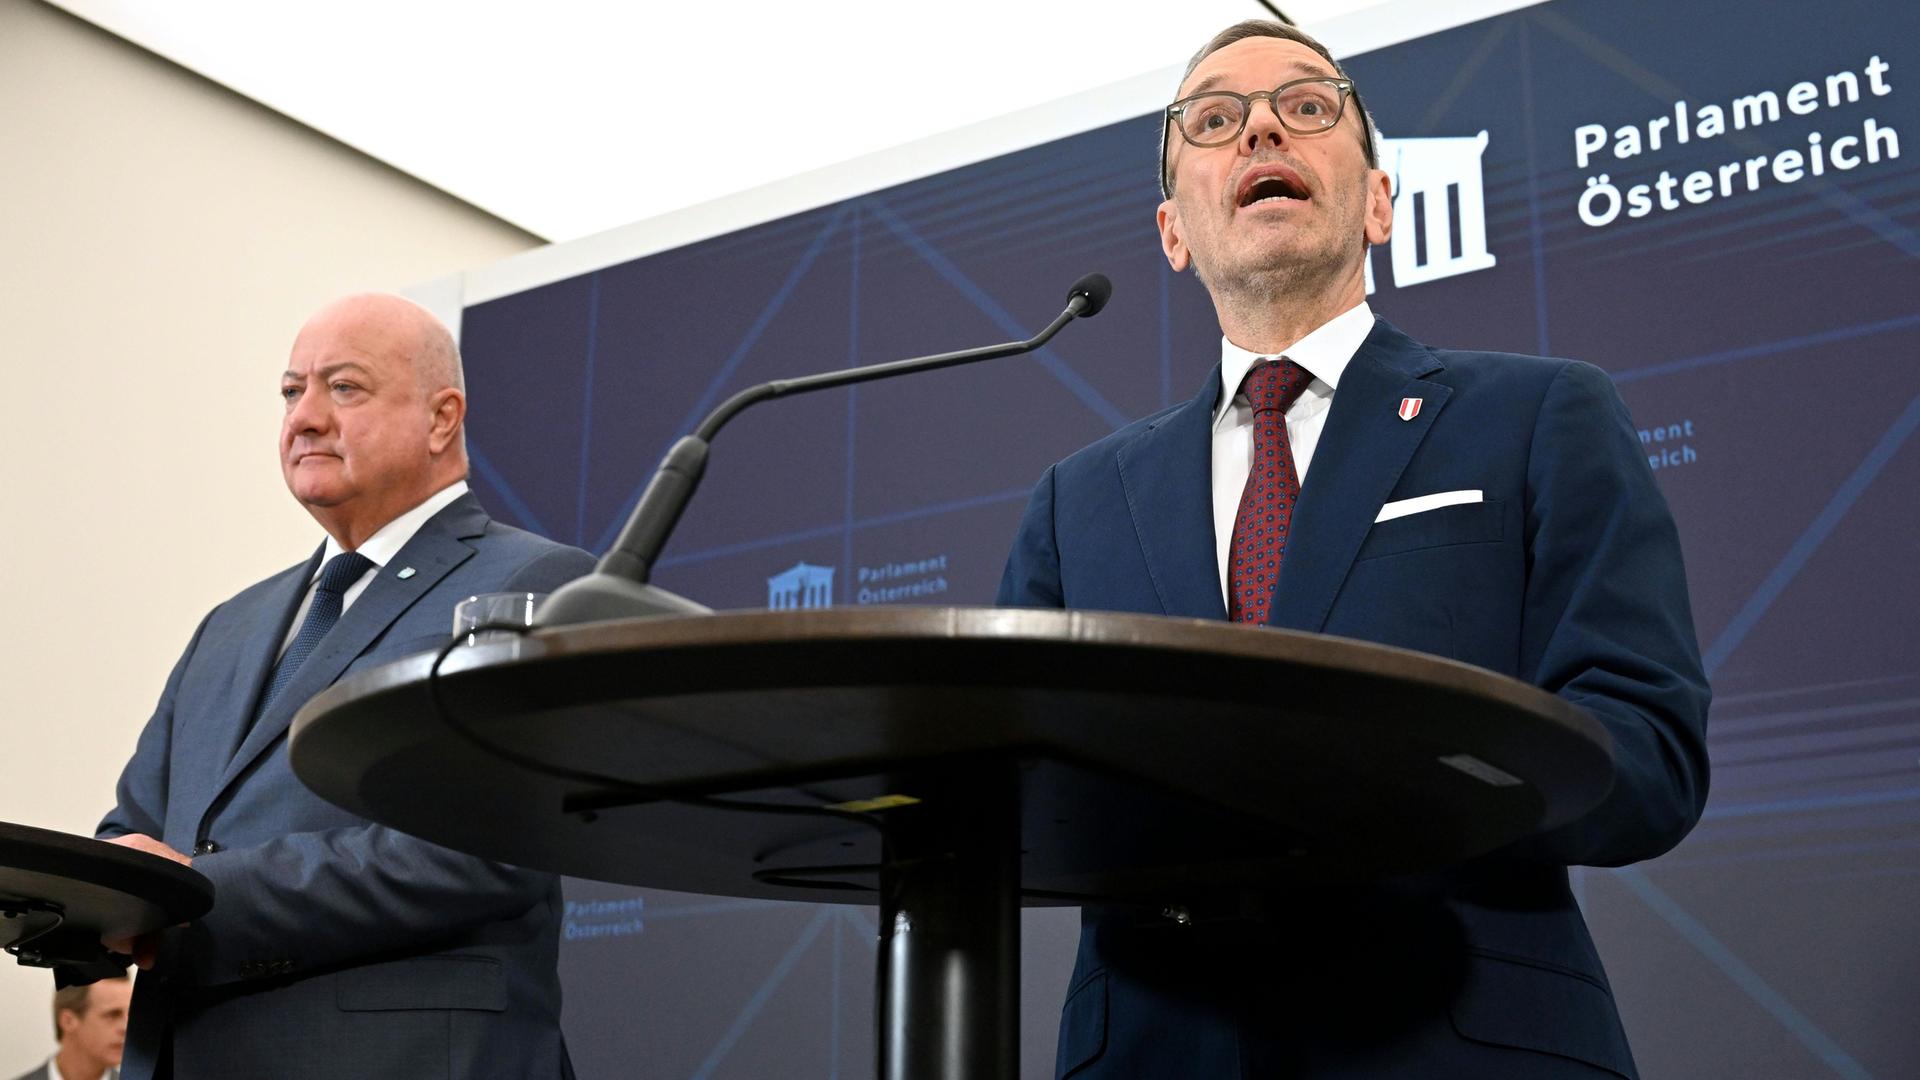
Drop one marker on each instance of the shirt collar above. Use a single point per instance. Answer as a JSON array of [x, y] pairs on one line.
[[382, 546], [54, 1073], [1324, 353]]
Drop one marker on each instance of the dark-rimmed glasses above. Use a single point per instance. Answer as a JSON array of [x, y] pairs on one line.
[[1308, 106]]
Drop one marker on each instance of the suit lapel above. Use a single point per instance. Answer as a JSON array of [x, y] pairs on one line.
[[433, 552], [1361, 454], [1167, 474], [252, 643]]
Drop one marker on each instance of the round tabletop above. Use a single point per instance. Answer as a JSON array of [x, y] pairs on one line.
[[1155, 755], [87, 889]]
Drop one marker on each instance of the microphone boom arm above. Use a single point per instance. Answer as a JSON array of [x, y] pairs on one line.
[[619, 586], [830, 379]]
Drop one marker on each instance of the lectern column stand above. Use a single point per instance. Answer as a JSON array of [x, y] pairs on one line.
[[950, 928]]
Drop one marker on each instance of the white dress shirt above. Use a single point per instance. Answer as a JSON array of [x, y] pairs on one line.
[[379, 549], [54, 1073], [1324, 354]]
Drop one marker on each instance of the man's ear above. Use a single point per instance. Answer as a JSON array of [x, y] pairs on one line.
[[1379, 207], [449, 412], [1171, 240]]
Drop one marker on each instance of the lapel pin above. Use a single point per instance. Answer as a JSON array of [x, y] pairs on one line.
[[405, 573], [1409, 408]]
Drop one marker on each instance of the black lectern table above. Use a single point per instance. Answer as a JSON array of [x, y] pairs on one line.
[[60, 894], [949, 764]]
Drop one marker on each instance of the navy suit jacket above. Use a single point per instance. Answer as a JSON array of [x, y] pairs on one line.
[[1567, 576], [336, 947]]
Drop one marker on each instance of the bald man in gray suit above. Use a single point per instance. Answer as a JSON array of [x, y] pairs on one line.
[[336, 947]]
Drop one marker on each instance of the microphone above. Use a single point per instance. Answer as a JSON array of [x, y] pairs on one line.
[[1091, 293], [618, 588]]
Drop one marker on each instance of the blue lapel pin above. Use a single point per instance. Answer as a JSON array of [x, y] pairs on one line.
[[405, 573]]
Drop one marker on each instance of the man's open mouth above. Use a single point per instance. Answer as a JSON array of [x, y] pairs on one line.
[[1268, 187]]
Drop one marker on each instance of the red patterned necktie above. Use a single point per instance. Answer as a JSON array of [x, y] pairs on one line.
[[1266, 505]]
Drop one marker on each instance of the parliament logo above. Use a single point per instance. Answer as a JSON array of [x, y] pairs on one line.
[[804, 586], [1439, 209]]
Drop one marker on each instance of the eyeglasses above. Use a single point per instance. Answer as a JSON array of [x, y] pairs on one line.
[[1217, 117]]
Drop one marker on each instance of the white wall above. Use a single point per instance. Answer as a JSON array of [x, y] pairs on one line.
[[161, 239]]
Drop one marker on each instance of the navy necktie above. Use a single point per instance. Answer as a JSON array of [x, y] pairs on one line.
[[336, 577]]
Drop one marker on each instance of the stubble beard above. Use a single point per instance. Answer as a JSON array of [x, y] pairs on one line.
[[1251, 290], [1292, 279]]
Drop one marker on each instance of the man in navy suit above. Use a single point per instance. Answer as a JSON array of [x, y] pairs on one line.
[[336, 947], [1491, 508]]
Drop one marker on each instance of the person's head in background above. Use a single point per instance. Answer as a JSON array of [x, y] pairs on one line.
[[90, 1024]]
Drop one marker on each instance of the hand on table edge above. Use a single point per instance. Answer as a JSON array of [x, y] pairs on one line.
[[145, 947]]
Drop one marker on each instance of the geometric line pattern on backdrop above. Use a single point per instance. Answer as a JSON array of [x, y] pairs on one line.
[[979, 297], [1809, 541], [1750, 352], [586, 408], [932, 509], [1007, 231], [1751, 612], [494, 479], [1463, 77], [1858, 736], [861, 922], [833, 1011], [846, 498], [1777, 859], [988, 306], [1813, 803], [1729, 639], [757, 1001], [1800, 718], [973, 292], [1094, 236], [1536, 228], [1801, 690], [532, 521], [718, 382], [1016, 192], [1743, 976]]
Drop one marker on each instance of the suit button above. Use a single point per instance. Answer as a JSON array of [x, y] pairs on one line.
[[205, 847]]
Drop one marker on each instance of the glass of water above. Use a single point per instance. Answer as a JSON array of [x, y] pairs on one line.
[[499, 612]]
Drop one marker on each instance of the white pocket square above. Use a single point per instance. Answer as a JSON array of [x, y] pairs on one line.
[[1403, 507]]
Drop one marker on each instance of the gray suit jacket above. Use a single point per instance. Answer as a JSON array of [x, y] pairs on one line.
[[336, 947]]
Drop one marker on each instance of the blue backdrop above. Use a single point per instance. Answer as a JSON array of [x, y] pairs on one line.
[[1762, 319]]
